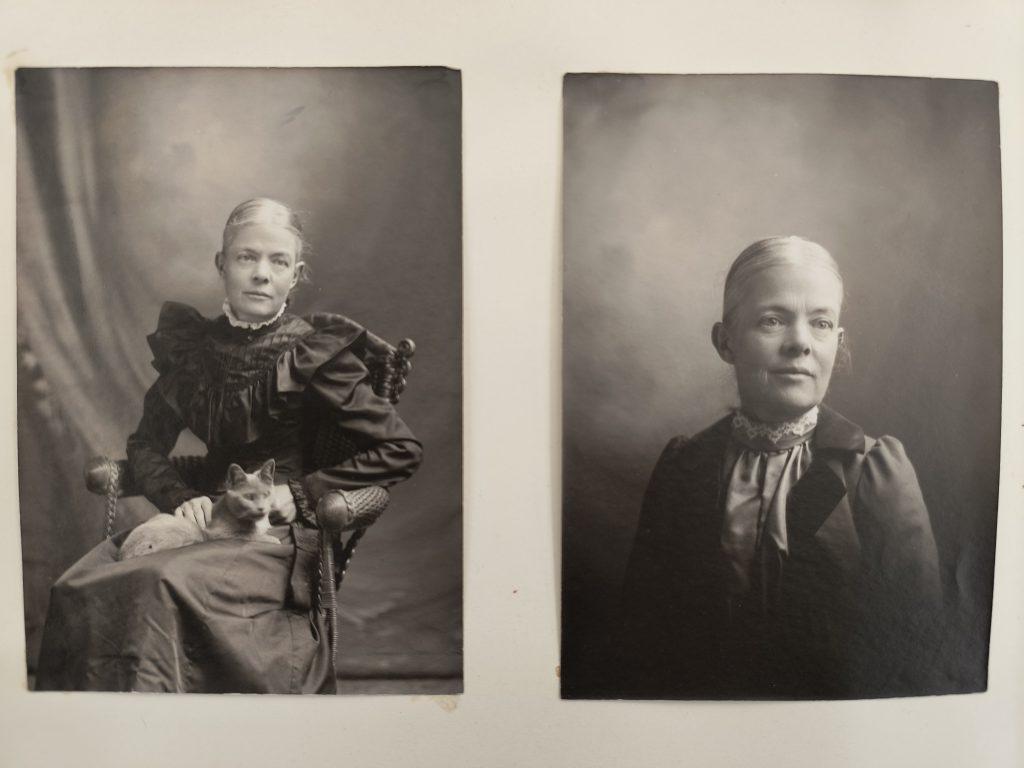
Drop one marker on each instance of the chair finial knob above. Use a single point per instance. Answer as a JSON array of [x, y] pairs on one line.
[[97, 474]]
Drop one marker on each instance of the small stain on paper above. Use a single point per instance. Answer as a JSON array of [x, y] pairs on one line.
[[447, 703]]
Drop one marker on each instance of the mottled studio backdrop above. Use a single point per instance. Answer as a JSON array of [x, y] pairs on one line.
[[667, 179], [125, 179]]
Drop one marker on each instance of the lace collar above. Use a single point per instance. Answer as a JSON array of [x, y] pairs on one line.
[[775, 436], [229, 313]]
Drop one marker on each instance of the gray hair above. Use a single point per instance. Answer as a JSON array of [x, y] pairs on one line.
[[771, 252]]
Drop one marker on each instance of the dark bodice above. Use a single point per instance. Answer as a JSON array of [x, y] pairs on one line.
[[850, 604], [249, 395]]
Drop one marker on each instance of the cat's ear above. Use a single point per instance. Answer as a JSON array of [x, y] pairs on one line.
[[267, 472], [236, 475]]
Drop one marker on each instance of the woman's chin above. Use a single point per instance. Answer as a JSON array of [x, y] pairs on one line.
[[254, 311]]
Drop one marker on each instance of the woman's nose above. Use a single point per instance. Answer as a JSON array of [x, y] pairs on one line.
[[798, 340], [261, 272]]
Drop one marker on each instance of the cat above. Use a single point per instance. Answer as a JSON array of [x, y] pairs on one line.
[[241, 513]]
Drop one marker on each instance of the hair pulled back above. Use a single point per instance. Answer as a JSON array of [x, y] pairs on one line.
[[788, 251]]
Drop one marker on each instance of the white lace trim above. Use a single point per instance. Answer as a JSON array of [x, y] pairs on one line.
[[775, 432], [236, 323]]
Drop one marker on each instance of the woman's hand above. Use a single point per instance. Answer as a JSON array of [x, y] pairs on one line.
[[198, 510], [283, 505]]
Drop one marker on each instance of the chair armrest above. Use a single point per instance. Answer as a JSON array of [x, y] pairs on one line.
[[340, 511], [101, 470]]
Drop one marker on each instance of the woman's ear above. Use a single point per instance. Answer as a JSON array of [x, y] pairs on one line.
[[300, 268], [844, 361], [720, 338], [218, 261]]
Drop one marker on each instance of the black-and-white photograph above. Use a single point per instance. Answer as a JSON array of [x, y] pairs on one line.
[[781, 381], [239, 357]]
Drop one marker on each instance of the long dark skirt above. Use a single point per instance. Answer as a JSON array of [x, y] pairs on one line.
[[218, 617]]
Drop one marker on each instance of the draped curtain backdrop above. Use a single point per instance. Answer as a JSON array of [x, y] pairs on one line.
[[667, 179], [125, 179]]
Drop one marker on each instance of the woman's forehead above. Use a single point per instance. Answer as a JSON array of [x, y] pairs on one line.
[[264, 237], [789, 284]]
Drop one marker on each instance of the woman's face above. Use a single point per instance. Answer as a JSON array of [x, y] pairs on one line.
[[782, 340], [259, 267]]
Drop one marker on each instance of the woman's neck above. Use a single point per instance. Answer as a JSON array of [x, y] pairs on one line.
[[752, 415], [237, 322], [774, 435]]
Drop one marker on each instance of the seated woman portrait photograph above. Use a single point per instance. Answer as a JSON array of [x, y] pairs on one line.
[[240, 608], [781, 552]]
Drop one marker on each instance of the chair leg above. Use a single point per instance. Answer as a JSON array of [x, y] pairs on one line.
[[330, 575], [329, 603]]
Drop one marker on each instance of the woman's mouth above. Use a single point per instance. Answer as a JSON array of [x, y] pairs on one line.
[[257, 295], [793, 372]]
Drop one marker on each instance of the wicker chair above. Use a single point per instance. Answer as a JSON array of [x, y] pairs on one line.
[[327, 445]]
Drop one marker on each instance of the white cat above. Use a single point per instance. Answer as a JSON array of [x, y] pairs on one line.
[[241, 513]]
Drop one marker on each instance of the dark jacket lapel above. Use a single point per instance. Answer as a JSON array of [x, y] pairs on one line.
[[818, 510]]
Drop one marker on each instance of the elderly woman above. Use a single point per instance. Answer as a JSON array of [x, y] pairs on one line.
[[230, 615], [781, 553]]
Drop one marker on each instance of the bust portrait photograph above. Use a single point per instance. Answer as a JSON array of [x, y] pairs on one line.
[[240, 319], [782, 382]]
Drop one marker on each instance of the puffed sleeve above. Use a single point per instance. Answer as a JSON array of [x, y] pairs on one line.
[[148, 449], [389, 452], [179, 331], [901, 562], [896, 527]]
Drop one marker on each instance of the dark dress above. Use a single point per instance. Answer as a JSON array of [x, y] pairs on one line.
[[226, 615], [853, 604]]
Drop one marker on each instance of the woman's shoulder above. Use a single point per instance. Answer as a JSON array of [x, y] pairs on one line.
[[179, 330], [884, 454], [333, 324], [886, 462], [331, 350], [883, 482], [175, 314], [709, 441], [878, 462], [329, 335]]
